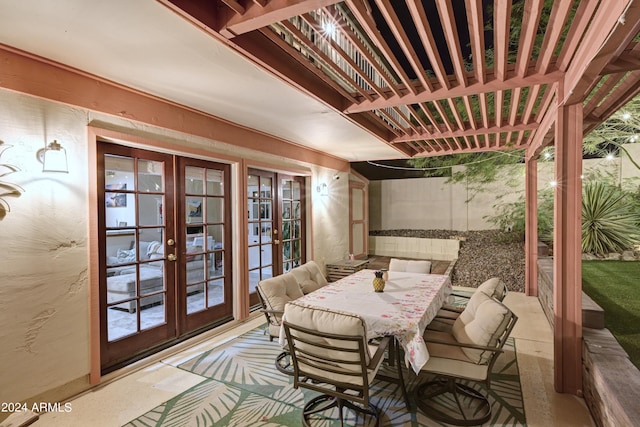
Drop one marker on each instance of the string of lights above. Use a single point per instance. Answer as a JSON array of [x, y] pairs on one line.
[[406, 168]]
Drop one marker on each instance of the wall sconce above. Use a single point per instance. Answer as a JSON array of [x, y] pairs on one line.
[[323, 189], [53, 158]]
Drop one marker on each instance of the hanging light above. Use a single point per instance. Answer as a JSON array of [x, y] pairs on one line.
[[53, 158]]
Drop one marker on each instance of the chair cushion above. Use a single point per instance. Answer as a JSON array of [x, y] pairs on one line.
[[332, 322], [410, 266], [449, 359], [309, 277], [494, 287], [325, 320], [484, 328], [279, 290]]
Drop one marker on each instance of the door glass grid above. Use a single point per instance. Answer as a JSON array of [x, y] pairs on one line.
[[291, 224], [135, 275], [260, 228], [204, 238]]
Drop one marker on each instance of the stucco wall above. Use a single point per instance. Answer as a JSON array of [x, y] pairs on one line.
[[44, 288], [433, 204]]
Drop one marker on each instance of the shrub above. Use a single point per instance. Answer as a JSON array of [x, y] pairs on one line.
[[609, 220]]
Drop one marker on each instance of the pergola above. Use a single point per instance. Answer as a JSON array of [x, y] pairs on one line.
[[435, 77]]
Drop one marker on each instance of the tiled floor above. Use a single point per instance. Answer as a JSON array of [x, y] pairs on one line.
[[131, 395]]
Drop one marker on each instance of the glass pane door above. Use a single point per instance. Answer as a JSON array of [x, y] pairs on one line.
[[137, 281], [261, 229], [204, 279], [292, 224]]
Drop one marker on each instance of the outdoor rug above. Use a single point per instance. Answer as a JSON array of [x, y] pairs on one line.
[[241, 387]]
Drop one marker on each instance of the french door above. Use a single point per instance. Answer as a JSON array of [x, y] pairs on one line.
[[276, 218], [164, 252]]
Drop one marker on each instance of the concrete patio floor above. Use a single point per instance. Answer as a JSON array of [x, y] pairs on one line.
[[128, 394]]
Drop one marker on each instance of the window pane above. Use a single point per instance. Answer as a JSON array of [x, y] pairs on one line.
[[195, 298], [152, 312], [150, 209], [286, 189], [120, 323], [296, 190], [215, 237], [194, 183], [118, 173], [194, 210], [215, 182], [215, 291], [150, 176], [215, 209], [265, 187]]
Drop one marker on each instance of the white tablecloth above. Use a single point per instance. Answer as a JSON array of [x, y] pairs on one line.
[[409, 302]]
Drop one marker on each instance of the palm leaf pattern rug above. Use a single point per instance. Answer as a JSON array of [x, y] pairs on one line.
[[241, 387]]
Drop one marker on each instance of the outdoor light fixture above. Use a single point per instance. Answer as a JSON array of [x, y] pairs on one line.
[[328, 28], [53, 158]]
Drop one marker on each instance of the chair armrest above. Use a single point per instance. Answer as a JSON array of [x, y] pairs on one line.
[[459, 295], [382, 346], [473, 346], [272, 315], [452, 308]]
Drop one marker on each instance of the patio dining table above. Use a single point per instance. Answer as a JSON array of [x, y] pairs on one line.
[[408, 304]]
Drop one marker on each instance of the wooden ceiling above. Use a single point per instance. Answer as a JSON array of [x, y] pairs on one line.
[[433, 77]]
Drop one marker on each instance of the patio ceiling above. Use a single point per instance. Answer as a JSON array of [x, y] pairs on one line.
[[437, 77]]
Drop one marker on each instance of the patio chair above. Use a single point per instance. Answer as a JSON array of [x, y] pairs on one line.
[[410, 266], [274, 293], [494, 288], [331, 355], [466, 352], [309, 277]]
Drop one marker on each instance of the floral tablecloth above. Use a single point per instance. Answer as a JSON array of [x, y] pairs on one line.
[[409, 302]]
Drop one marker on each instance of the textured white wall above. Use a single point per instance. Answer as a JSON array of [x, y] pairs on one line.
[[43, 270], [44, 294]]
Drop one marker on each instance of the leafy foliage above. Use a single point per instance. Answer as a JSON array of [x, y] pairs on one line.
[[609, 222], [511, 217], [610, 217]]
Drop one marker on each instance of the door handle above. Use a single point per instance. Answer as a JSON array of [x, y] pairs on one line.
[[171, 257], [277, 242]]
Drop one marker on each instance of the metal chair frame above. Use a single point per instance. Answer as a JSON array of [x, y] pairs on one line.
[[335, 394], [449, 384]]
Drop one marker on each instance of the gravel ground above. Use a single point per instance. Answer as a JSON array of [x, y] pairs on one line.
[[483, 255]]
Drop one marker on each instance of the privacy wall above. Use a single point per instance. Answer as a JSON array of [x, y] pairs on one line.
[[433, 204]]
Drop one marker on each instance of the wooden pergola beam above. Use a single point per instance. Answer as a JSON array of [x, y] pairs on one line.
[[257, 16], [466, 132], [530, 22], [447, 18], [421, 21], [369, 26], [475, 149], [605, 39], [512, 81], [476, 33], [559, 12], [397, 28], [502, 16]]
